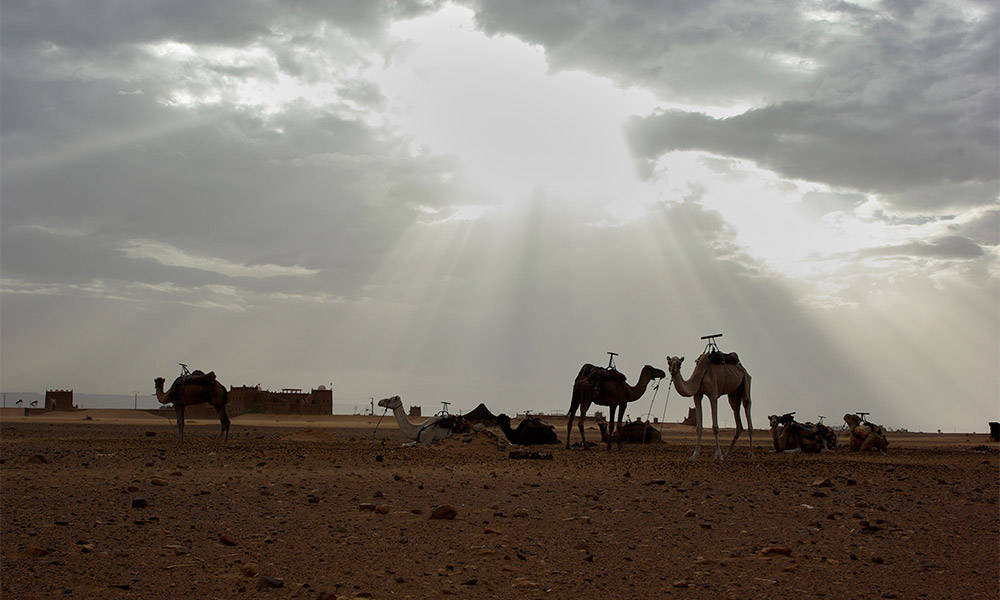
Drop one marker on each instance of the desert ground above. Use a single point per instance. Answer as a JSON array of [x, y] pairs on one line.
[[105, 504]]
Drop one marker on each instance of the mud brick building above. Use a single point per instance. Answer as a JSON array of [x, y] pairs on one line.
[[59, 400], [289, 401]]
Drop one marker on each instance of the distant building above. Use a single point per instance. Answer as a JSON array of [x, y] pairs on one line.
[[289, 401], [59, 400]]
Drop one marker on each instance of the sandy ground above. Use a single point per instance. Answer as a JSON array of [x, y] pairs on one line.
[[288, 498]]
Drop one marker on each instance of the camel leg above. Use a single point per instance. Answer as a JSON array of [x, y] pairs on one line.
[[698, 427], [739, 424], [179, 411], [714, 402], [224, 422], [746, 408], [621, 414], [573, 405], [611, 423]]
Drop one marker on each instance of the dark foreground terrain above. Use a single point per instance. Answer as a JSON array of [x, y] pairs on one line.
[[321, 514]]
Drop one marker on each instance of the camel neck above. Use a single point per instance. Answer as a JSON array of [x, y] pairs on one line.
[[409, 429], [687, 388], [636, 391]]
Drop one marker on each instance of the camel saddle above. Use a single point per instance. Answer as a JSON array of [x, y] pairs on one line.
[[723, 358], [196, 378], [599, 375]]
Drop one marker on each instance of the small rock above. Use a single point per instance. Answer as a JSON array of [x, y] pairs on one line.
[[157, 481], [491, 530], [776, 551], [819, 494], [689, 513], [657, 482], [681, 584], [132, 489], [250, 569], [382, 509], [266, 581], [366, 506], [139, 503], [472, 581], [521, 513], [225, 540], [444, 511], [822, 483], [38, 459]]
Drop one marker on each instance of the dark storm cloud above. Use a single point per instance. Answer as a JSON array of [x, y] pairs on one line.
[[900, 99], [104, 23]]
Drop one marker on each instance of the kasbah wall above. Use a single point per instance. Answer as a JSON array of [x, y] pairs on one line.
[[254, 399], [290, 401]]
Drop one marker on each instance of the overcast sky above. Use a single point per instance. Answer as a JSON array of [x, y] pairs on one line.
[[466, 201]]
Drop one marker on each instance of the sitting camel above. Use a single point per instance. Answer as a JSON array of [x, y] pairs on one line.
[[792, 436], [714, 379], [865, 435], [605, 387], [433, 429], [633, 432], [196, 388], [531, 431]]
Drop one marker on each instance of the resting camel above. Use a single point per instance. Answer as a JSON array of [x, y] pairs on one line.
[[196, 388], [635, 432], [792, 436], [431, 430], [714, 380], [531, 431], [606, 387], [865, 435]]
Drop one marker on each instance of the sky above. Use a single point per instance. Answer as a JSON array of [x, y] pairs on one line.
[[467, 201]]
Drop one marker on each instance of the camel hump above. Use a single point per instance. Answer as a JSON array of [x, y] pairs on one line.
[[723, 358]]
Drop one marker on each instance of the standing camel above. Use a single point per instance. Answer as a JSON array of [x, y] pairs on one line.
[[714, 380], [604, 387], [197, 388]]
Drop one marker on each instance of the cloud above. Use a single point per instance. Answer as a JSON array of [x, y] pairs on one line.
[[165, 254], [875, 98], [950, 247]]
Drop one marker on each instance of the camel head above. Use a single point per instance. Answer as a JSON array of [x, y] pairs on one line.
[[773, 419], [852, 420], [158, 382], [391, 403], [653, 372], [674, 364]]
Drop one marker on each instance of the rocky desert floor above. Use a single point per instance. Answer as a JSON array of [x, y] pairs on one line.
[[114, 508]]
